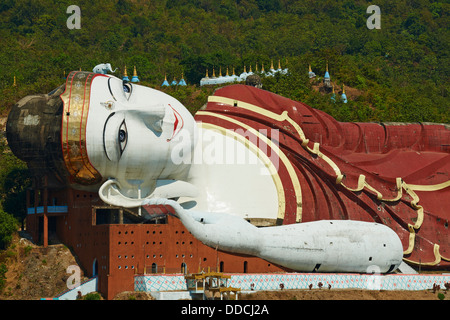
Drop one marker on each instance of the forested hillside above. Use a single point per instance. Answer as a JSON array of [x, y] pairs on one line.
[[400, 71]]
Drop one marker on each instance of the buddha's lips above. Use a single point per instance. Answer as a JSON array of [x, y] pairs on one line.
[[178, 123]]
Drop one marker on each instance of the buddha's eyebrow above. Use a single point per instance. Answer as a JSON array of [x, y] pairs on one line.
[[104, 128], [110, 91]]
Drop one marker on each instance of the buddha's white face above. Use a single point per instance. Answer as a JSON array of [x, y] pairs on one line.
[[131, 133]]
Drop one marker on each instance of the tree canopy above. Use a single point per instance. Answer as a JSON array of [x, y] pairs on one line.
[[402, 68]]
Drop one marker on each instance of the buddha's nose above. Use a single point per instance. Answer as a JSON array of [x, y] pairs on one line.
[[153, 117]]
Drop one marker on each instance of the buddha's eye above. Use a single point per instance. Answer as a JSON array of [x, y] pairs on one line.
[[127, 89], [123, 137]]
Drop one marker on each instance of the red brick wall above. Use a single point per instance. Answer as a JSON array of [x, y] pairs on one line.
[[123, 250]]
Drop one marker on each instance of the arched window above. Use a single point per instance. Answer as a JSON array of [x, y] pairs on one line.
[[154, 268], [245, 266], [183, 268], [95, 268]]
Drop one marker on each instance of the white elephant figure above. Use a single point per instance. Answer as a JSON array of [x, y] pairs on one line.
[[103, 68]]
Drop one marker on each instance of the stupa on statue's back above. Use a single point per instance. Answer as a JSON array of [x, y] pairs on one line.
[[135, 76], [125, 75]]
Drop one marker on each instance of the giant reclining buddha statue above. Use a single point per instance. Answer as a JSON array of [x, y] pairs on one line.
[[251, 172]]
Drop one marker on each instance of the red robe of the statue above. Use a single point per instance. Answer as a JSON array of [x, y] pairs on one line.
[[391, 173]]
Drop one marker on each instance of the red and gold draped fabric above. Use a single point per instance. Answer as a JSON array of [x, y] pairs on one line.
[[73, 128], [395, 174]]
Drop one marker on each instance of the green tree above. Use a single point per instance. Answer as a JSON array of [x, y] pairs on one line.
[[14, 180], [15, 186], [8, 225]]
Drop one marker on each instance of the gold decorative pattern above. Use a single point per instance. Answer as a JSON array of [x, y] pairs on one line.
[[73, 128]]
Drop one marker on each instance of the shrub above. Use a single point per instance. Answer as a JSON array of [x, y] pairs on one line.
[[92, 296], [3, 270], [8, 225]]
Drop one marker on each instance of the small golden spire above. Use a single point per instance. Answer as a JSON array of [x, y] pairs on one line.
[[245, 69], [327, 65], [214, 73], [125, 72], [227, 72], [220, 71], [343, 88], [256, 68], [271, 64], [206, 75], [332, 86], [262, 68], [14, 84], [233, 71], [250, 68], [134, 72], [279, 64], [165, 75], [310, 68]]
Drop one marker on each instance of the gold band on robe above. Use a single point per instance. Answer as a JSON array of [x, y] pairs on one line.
[[73, 128]]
